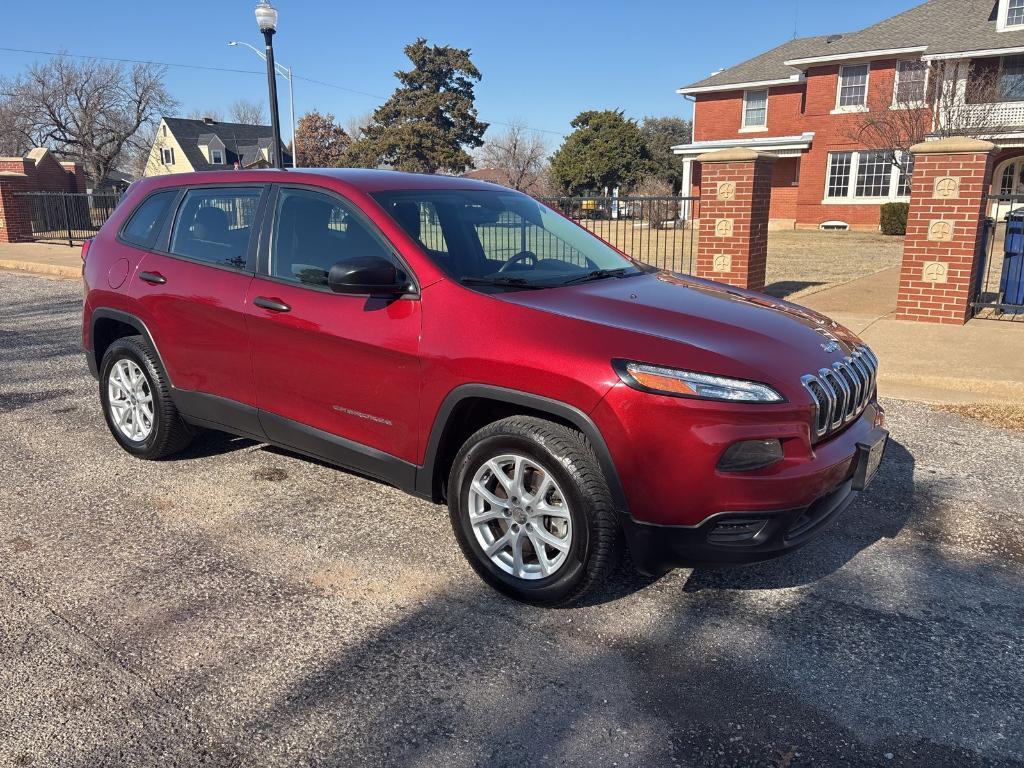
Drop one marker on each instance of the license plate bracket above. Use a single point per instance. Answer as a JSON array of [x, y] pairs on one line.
[[869, 458]]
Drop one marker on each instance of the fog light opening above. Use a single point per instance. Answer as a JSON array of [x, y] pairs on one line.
[[748, 455]]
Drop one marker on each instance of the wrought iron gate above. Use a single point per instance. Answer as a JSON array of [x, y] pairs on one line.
[[999, 282], [68, 216]]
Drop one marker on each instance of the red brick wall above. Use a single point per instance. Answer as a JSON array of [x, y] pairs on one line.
[[792, 110], [946, 300], [15, 216], [746, 210]]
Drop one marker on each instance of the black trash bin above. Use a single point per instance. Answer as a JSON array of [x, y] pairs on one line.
[[1011, 281]]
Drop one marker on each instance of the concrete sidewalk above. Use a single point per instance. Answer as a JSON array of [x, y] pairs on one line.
[[42, 259], [981, 362]]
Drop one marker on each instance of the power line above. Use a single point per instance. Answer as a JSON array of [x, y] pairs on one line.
[[235, 71]]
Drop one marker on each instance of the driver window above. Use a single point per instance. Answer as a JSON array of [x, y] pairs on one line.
[[312, 232]]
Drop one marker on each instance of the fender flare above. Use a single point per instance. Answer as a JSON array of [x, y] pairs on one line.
[[563, 411], [105, 313]]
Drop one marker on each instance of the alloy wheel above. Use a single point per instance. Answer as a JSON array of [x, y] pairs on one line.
[[130, 400], [520, 517]]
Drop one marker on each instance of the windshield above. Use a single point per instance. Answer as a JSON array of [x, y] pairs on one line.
[[502, 239]]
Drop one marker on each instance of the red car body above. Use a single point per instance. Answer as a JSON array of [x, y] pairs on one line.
[[412, 374]]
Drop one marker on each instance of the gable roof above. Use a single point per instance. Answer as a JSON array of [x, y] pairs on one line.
[[241, 141], [934, 28]]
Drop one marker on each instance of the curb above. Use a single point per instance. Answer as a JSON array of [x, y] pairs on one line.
[[52, 270]]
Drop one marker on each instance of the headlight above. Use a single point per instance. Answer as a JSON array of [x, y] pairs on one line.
[[677, 383]]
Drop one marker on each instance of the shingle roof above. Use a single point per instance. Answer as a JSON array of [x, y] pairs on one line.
[[941, 26], [240, 141], [767, 66]]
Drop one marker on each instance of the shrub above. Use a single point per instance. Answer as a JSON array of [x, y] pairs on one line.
[[894, 218]]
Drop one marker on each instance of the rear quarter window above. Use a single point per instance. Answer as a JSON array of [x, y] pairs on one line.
[[148, 219]]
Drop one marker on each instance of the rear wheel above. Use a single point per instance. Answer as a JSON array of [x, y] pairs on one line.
[[532, 511], [137, 402]]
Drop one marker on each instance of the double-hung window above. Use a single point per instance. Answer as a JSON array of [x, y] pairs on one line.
[[866, 175], [167, 155], [1014, 15], [911, 80], [853, 86], [755, 109], [216, 157]]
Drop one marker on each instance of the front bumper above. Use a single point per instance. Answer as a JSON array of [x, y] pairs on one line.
[[732, 538]]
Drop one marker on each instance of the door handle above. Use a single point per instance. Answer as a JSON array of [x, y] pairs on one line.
[[153, 278], [274, 305]]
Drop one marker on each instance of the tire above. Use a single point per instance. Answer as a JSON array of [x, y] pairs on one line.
[[167, 432], [579, 557]]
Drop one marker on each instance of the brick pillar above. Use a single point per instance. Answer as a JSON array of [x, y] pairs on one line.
[[15, 212], [944, 229], [735, 191]]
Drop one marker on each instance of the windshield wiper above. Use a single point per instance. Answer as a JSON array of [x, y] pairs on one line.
[[597, 274], [505, 282]]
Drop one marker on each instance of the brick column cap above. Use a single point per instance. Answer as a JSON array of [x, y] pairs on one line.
[[12, 175], [733, 155], [953, 145]]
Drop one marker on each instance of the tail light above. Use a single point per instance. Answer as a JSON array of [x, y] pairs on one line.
[[85, 247]]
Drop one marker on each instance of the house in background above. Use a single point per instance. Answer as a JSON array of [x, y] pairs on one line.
[[806, 101], [183, 145]]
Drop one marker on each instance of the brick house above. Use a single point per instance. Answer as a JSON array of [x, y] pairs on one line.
[[183, 145], [38, 171], [805, 103]]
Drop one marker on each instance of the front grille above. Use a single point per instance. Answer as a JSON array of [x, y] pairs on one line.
[[841, 393]]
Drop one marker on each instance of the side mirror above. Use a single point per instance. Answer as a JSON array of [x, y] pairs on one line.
[[367, 274]]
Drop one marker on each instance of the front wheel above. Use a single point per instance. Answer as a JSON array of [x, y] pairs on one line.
[[532, 511]]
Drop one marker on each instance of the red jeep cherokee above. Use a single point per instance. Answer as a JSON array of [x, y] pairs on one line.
[[464, 343]]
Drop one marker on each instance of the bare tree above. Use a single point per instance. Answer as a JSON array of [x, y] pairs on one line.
[[88, 111], [658, 206], [519, 153], [204, 114], [936, 99], [354, 125], [249, 112]]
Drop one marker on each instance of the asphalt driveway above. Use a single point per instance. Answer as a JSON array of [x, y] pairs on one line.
[[243, 606]]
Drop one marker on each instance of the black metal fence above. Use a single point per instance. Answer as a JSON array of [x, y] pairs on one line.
[[999, 285], [68, 216], [652, 229]]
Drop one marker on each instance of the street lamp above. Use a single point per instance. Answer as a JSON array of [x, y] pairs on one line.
[[266, 17], [286, 73]]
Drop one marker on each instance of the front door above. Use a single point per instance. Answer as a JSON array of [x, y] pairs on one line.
[[345, 366], [193, 290]]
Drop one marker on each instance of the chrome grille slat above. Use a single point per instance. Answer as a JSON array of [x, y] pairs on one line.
[[841, 392]]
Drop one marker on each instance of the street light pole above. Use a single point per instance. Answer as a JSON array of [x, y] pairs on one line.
[[266, 17], [285, 72]]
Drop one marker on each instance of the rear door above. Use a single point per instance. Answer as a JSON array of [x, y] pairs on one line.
[[346, 365], [192, 288]]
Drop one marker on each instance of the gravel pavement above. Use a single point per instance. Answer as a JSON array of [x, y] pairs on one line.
[[243, 606]]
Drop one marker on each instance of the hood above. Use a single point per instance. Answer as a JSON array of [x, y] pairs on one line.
[[778, 339]]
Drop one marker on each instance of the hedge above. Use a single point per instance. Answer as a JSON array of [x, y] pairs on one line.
[[894, 218]]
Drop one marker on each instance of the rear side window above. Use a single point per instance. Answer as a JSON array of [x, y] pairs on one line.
[[214, 225], [143, 228]]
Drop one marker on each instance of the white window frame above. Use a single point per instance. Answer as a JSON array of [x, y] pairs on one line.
[[850, 198], [896, 86], [1001, 19], [839, 89], [166, 152], [744, 128], [213, 157]]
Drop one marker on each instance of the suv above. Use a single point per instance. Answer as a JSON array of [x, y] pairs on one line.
[[464, 343]]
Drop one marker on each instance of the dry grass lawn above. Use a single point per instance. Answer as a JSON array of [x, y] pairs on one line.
[[1006, 416]]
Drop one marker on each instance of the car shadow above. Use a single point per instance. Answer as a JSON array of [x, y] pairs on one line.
[[784, 288]]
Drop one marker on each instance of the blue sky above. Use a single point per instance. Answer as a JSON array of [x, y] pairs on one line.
[[543, 61]]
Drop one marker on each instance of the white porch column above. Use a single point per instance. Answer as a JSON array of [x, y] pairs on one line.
[[686, 189]]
